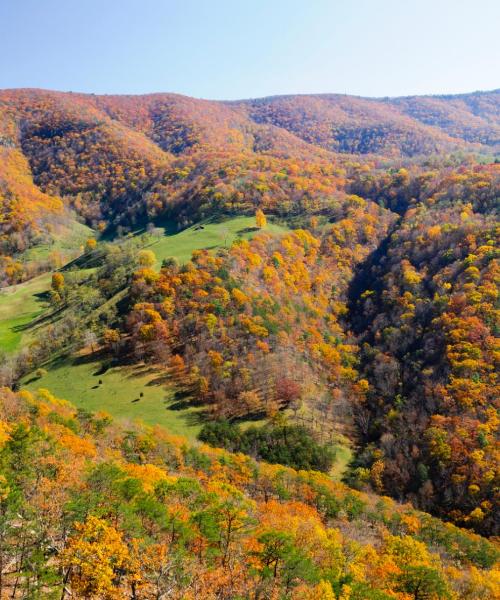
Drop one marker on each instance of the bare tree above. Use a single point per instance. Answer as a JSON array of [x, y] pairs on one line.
[[90, 339]]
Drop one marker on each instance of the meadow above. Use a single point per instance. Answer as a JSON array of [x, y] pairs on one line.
[[135, 392], [22, 303], [19, 305], [207, 235]]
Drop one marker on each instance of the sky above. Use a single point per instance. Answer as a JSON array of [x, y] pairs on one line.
[[229, 49]]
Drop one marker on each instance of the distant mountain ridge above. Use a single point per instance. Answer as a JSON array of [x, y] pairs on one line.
[[116, 156], [405, 126]]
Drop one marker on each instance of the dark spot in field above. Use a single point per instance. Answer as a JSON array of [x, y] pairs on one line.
[[247, 230]]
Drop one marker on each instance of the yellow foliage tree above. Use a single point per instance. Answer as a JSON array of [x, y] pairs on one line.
[[57, 282], [146, 258], [90, 245], [93, 558], [260, 219]]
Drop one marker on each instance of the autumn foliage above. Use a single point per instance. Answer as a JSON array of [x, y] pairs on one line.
[[429, 327], [257, 328], [375, 316], [113, 512]]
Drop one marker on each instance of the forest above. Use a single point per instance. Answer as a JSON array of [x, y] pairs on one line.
[[249, 350]]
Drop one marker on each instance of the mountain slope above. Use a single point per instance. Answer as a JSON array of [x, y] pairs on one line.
[[376, 318], [105, 153], [471, 117], [348, 124], [93, 509], [394, 127]]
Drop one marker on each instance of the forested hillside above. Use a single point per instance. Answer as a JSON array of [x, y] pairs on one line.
[[91, 509], [306, 287], [121, 159], [426, 311]]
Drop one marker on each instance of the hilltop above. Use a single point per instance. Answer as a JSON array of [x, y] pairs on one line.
[[117, 160]]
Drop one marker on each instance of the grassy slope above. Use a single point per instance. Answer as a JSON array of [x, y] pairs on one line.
[[119, 393], [77, 378], [343, 456], [19, 304], [213, 235], [68, 241]]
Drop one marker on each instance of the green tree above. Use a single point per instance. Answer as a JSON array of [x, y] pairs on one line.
[[424, 583]]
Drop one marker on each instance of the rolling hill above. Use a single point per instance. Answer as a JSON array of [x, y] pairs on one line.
[[109, 510], [119, 160], [325, 261]]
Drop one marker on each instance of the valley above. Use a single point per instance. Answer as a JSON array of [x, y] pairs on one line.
[[262, 333]]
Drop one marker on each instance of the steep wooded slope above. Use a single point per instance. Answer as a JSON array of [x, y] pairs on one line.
[[425, 308], [391, 127], [422, 305], [93, 509]]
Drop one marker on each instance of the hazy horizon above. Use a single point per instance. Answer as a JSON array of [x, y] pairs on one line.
[[235, 100]]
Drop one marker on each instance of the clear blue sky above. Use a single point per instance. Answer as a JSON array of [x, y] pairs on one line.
[[249, 48]]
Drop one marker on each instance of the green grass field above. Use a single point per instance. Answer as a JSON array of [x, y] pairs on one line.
[[77, 380], [20, 304], [343, 456], [67, 241], [213, 235]]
